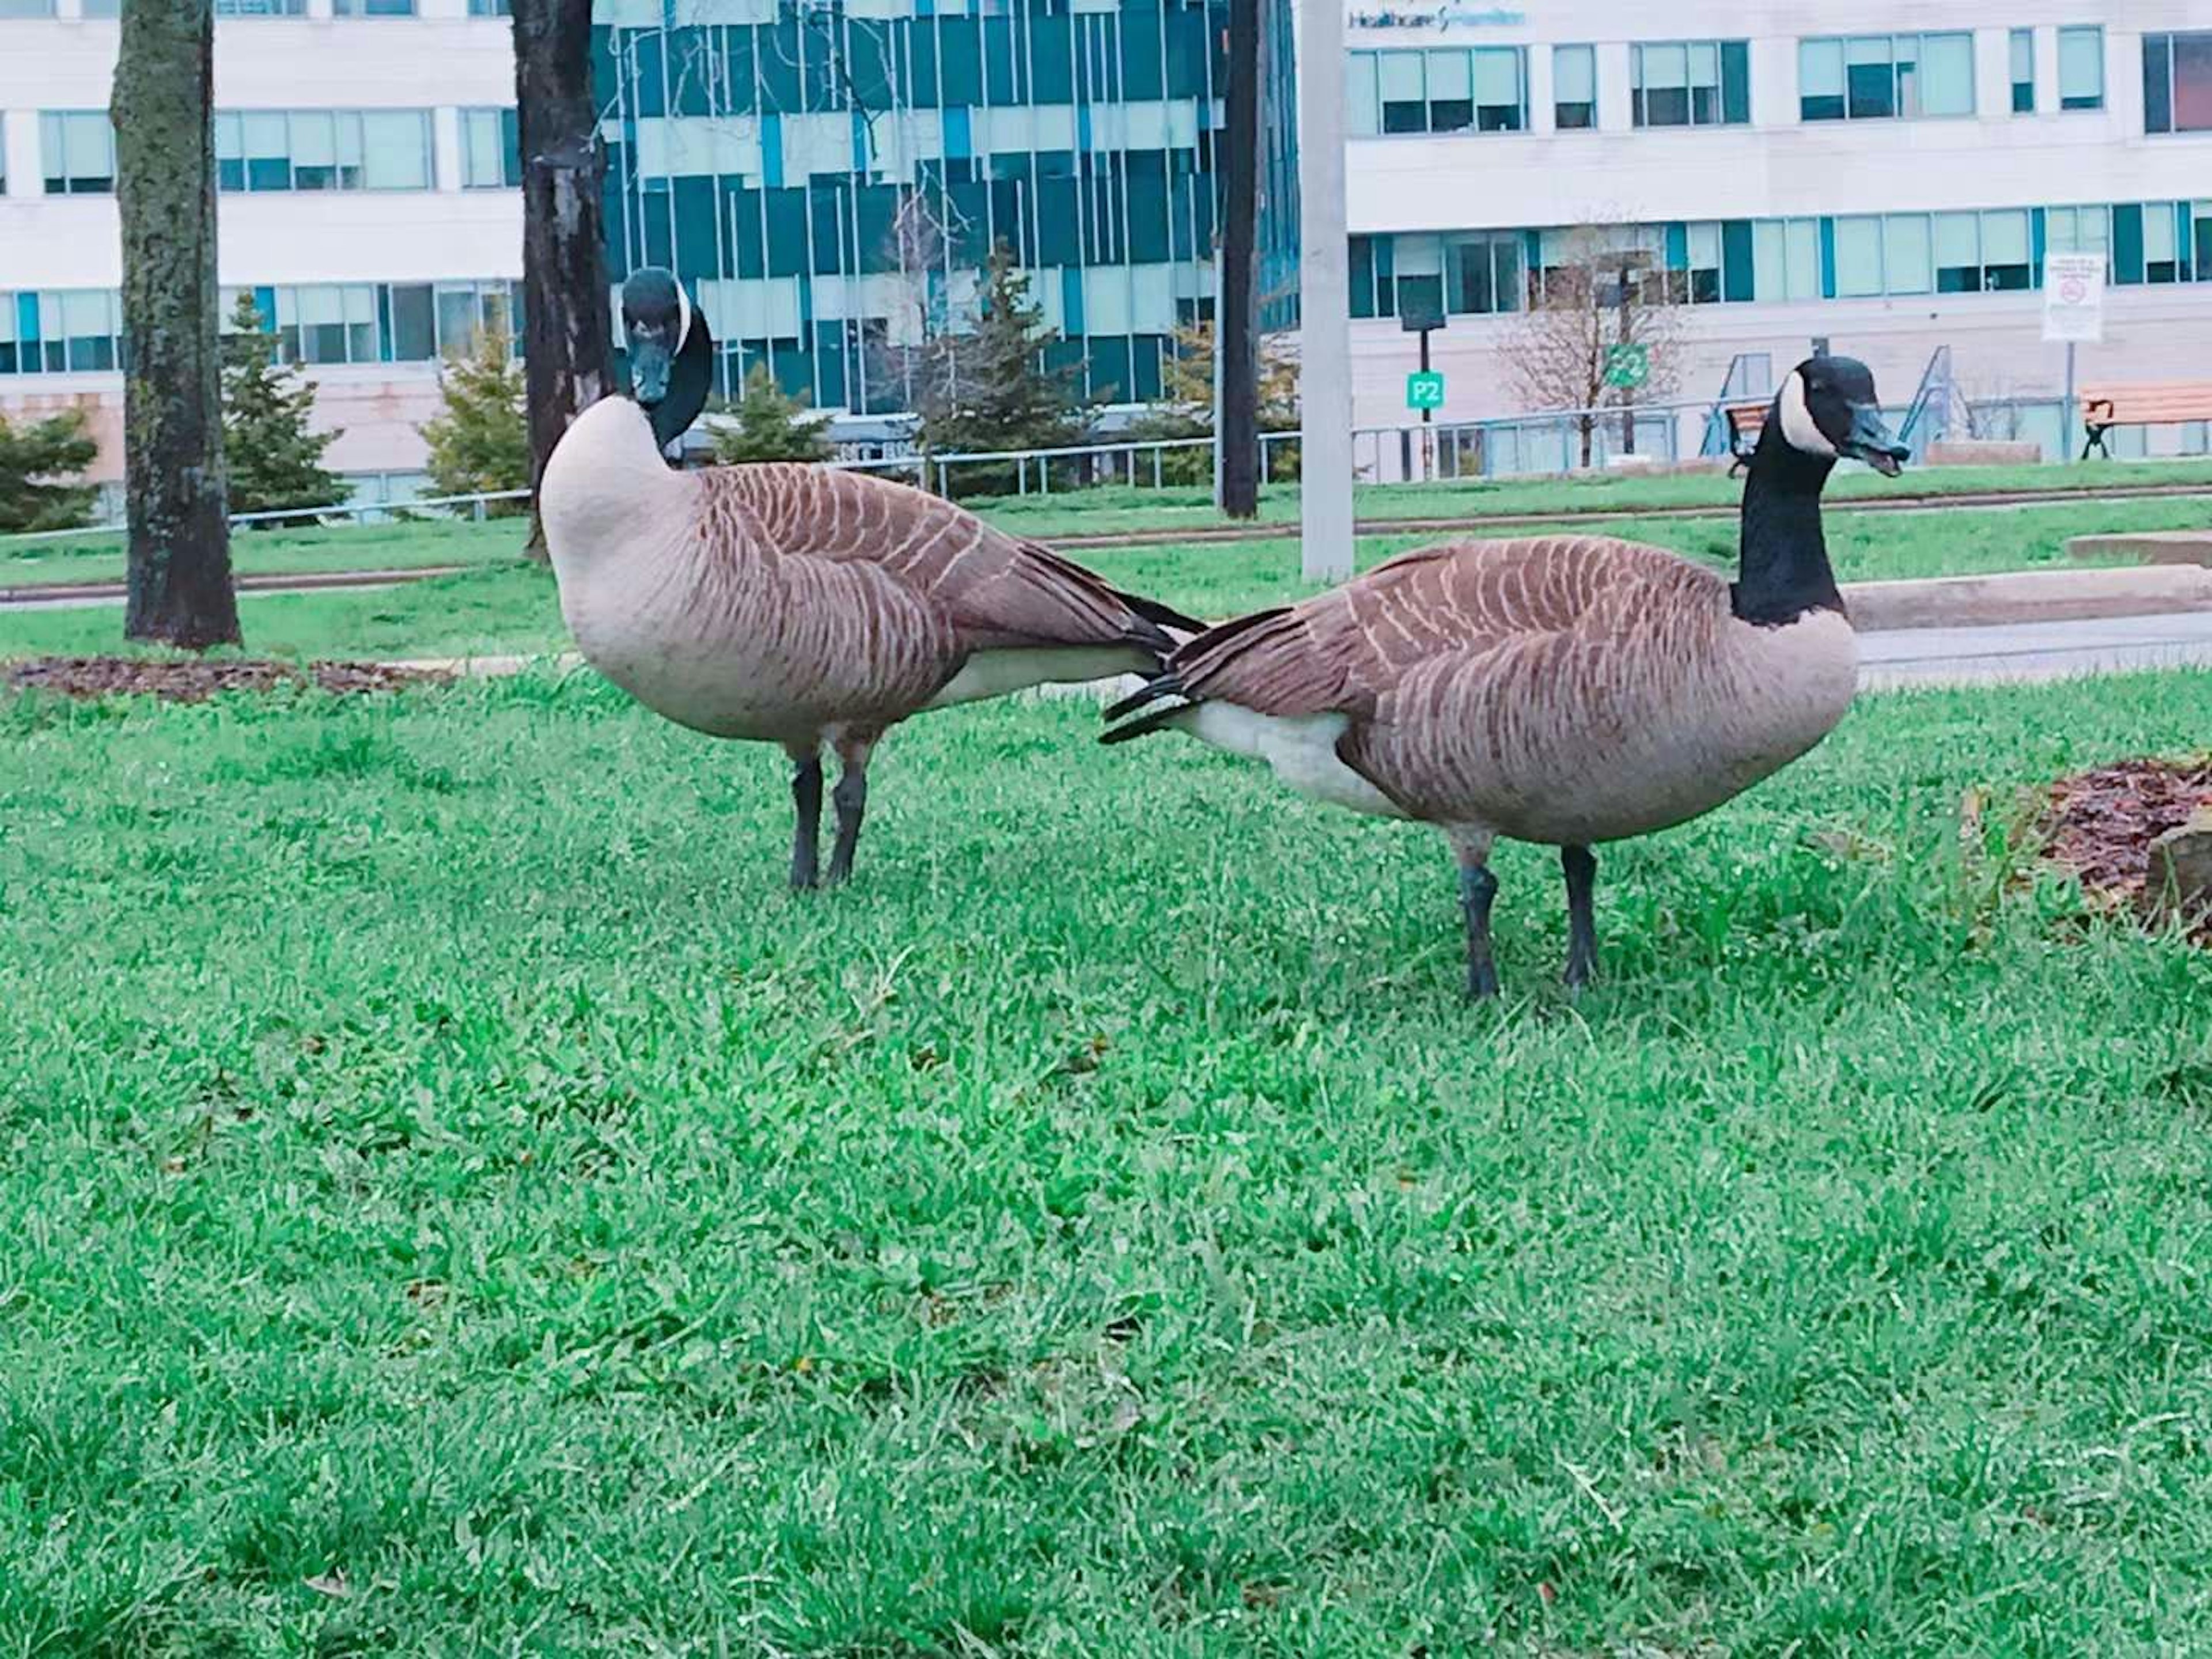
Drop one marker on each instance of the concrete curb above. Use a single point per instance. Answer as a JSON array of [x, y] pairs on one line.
[[2027, 596]]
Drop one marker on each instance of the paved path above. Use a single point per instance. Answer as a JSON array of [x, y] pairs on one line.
[[2032, 651]]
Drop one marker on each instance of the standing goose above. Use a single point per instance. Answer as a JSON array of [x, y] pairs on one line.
[[800, 605], [1565, 690]]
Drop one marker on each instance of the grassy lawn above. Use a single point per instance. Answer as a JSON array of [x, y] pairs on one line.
[[270, 552], [508, 606], [453, 1200]]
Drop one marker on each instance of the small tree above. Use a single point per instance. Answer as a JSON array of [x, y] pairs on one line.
[[480, 442], [1187, 401], [1601, 294], [991, 389], [276, 457], [37, 460], [765, 424]]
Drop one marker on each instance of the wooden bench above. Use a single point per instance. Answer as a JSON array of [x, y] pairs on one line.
[[2163, 403], [1744, 423]]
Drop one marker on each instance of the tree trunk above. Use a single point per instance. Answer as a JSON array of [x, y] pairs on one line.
[[179, 581], [1236, 340], [567, 344]]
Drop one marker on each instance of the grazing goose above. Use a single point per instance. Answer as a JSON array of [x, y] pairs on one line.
[[1565, 689], [800, 605]]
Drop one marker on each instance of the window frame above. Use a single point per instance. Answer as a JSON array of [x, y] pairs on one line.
[[1896, 85], [2095, 32]]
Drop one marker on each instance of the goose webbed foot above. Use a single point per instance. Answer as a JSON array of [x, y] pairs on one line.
[[806, 797], [1477, 888], [1581, 868], [850, 798]]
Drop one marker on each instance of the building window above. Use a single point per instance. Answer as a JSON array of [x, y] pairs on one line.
[[261, 7], [1482, 272], [2177, 83], [373, 8], [78, 147], [261, 150], [336, 323], [491, 149], [69, 331], [1786, 253], [1982, 253], [2082, 68], [1574, 87], [1448, 90], [27, 8], [1691, 83], [1879, 76], [2023, 71], [491, 7]]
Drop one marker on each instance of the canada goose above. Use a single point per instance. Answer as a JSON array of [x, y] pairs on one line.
[[1565, 690], [800, 605]]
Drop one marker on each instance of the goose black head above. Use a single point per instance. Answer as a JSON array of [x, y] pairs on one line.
[[1828, 408], [672, 351]]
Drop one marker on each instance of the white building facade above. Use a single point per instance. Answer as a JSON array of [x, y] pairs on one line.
[[1886, 177], [368, 202], [1889, 181]]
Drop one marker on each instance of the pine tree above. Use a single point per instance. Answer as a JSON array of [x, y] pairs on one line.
[[1186, 405], [275, 459], [765, 424], [990, 388], [480, 442], [36, 461]]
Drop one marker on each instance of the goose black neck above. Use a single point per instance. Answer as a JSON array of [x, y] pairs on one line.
[[1784, 571]]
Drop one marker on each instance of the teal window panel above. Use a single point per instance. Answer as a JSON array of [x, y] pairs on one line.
[[971, 215], [1190, 53], [1008, 223], [1144, 351], [1362, 277], [829, 366], [1065, 357], [698, 248], [771, 138], [920, 68], [1735, 81], [1060, 218], [863, 144], [999, 84], [1182, 216], [604, 77], [959, 61], [786, 214], [740, 91], [1071, 298], [413, 335], [649, 79], [1827, 258], [792, 368], [658, 234], [959, 139], [1737, 260], [826, 212], [1150, 242], [1143, 48], [693, 69], [1052, 59], [1386, 276], [818, 67], [776, 63], [2039, 240], [27, 316], [869, 42], [1109, 359], [2128, 242], [877, 211], [742, 213], [1678, 245]]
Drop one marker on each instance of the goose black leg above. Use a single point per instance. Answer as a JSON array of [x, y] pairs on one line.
[[1477, 888], [1581, 868], [806, 796], [851, 800]]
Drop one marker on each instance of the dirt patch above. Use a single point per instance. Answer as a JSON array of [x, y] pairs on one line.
[[190, 681], [2100, 823]]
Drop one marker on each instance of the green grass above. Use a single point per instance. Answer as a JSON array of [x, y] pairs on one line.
[[272, 552], [434, 1150], [509, 606]]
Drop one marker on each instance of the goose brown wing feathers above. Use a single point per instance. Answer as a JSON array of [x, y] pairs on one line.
[[992, 590]]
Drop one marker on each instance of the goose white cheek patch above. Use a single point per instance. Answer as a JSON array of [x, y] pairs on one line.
[[1798, 425], [683, 315]]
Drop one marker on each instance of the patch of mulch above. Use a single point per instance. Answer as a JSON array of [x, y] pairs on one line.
[[2099, 824], [188, 681]]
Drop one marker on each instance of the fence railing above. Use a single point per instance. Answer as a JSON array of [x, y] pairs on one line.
[[476, 506]]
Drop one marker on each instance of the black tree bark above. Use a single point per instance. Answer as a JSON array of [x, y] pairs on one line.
[[180, 580], [1236, 339], [567, 344]]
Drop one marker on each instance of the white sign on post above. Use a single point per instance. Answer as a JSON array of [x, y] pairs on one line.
[[2074, 298]]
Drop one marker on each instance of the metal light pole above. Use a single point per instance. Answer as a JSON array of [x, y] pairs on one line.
[[1324, 297]]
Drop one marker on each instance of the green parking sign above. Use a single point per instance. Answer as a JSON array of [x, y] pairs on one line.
[[1627, 365], [1424, 390]]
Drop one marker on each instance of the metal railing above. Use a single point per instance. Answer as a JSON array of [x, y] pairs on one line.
[[476, 505]]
